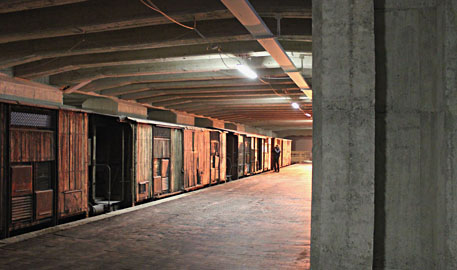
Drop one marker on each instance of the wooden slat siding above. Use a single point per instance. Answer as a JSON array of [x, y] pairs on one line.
[[176, 160], [144, 159], [188, 158], [30, 145], [73, 164], [223, 156], [204, 151], [240, 156], [3, 180]]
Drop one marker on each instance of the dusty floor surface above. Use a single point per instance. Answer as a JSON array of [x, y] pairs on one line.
[[259, 222]]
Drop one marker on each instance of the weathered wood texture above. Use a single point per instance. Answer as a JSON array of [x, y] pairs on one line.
[[73, 166], [144, 161], [196, 158], [241, 155], [223, 157], [204, 164], [287, 153], [190, 170], [3, 180], [176, 161], [267, 161], [31, 145]]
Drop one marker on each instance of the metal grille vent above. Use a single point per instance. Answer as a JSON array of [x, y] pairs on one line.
[[162, 132], [31, 120], [21, 208]]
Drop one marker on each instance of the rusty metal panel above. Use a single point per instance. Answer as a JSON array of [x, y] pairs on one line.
[[73, 202], [43, 203], [21, 180], [31, 145], [73, 163], [144, 159]]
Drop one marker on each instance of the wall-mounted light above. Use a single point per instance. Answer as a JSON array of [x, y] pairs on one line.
[[308, 115], [246, 71], [295, 105]]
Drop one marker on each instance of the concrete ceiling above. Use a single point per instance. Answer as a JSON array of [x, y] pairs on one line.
[[124, 50]]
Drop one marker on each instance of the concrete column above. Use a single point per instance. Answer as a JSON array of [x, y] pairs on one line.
[[447, 232], [416, 135], [344, 135]]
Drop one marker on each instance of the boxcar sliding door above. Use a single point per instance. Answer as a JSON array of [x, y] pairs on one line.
[[32, 166], [73, 164], [215, 156], [176, 161], [144, 162], [161, 168]]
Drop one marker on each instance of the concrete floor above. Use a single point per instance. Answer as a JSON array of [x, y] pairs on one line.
[[259, 222]]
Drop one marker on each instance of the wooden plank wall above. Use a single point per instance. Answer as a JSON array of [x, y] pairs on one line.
[[204, 148], [241, 156], [144, 158], [73, 169], [223, 156], [176, 161], [189, 172], [31, 145], [3, 179]]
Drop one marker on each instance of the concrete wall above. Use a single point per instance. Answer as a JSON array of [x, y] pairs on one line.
[[415, 135], [343, 135], [407, 159], [301, 143]]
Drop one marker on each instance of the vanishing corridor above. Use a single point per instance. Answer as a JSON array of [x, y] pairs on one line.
[[259, 222]]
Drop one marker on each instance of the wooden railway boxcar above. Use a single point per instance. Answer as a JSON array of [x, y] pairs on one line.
[[159, 159], [44, 161], [204, 157]]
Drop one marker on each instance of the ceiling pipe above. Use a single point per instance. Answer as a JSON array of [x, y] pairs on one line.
[[248, 17]]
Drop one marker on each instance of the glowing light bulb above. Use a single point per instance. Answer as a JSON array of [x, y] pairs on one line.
[[295, 105]]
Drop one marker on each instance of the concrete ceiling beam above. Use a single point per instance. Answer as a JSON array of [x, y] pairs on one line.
[[123, 14], [21, 5], [54, 66], [177, 67], [160, 36]]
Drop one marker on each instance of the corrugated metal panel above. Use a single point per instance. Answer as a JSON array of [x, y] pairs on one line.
[[73, 159], [144, 158], [21, 180]]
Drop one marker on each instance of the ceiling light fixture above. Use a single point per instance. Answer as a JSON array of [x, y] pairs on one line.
[[295, 105], [246, 71]]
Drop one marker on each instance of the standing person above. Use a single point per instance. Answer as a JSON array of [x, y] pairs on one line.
[[276, 155]]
